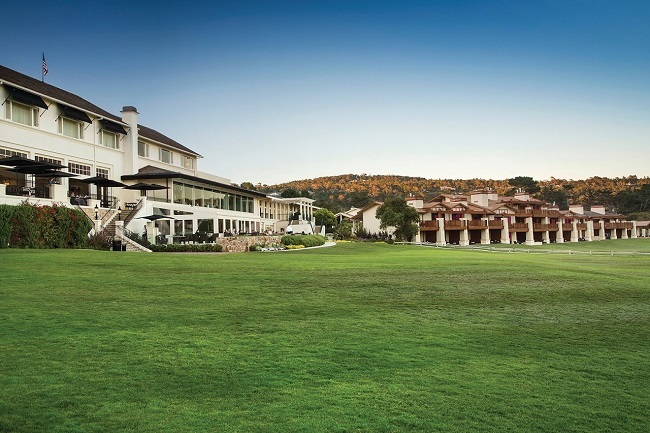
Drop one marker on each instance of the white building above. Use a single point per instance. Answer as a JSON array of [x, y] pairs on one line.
[[50, 125]]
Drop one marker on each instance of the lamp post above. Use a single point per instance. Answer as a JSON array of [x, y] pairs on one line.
[[96, 212], [119, 213]]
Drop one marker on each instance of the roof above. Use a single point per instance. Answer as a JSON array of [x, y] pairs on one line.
[[11, 77], [359, 214], [154, 135], [151, 172]]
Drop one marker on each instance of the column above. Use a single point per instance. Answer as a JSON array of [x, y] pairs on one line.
[[546, 236], [634, 236], [530, 236], [574, 230], [559, 237], [613, 233], [440, 237], [589, 236], [505, 231], [485, 234], [624, 233], [464, 235]]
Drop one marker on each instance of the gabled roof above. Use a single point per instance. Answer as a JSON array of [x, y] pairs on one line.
[[359, 214], [9, 76], [154, 135]]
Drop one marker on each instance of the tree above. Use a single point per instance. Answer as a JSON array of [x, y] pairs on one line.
[[526, 183], [290, 193], [404, 218], [343, 230], [248, 185], [324, 217]]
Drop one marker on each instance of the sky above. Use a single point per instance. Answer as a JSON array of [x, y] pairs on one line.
[[274, 91]]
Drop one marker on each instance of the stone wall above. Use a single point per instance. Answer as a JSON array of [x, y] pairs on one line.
[[241, 243]]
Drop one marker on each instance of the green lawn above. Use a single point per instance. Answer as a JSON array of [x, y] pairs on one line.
[[353, 338]]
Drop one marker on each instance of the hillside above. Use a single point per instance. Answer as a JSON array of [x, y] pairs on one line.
[[625, 194]]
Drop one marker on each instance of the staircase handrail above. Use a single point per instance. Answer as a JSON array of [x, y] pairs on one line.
[[137, 238]]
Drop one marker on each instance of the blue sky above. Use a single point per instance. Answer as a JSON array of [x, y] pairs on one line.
[[273, 91]]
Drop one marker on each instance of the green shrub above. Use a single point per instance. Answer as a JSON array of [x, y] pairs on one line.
[[186, 248], [305, 240], [6, 217]]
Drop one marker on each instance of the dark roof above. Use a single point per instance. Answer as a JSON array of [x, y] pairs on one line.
[[27, 82], [154, 135], [12, 77], [151, 172]]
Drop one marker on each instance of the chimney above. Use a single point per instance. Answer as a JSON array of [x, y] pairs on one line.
[[479, 197], [577, 208], [130, 143], [415, 201], [522, 195], [598, 208]]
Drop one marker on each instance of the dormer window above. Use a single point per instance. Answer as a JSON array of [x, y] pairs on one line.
[[71, 128], [21, 113], [108, 139], [23, 107]]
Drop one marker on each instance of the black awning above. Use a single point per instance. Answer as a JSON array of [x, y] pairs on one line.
[[113, 127], [25, 97], [74, 114]]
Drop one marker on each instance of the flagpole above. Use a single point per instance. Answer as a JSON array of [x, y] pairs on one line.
[[43, 68]]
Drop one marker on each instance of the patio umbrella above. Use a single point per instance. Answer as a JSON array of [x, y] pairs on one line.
[[155, 217], [18, 161], [55, 173], [144, 187], [102, 181]]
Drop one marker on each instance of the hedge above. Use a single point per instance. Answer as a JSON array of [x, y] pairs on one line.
[[31, 226], [305, 240], [186, 248]]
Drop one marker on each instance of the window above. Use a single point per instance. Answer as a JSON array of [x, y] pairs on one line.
[[143, 149], [20, 113], [71, 128], [109, 139], [48, 160], [6, 153], [187, 162], [166, 156], [75, 168], [101, 172]]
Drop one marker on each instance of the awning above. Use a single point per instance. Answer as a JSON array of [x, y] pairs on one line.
[[113, 127], [25, 97], [74, 114], [102, 181]]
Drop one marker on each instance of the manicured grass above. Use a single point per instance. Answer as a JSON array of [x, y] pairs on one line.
[[353, 338], [639, 245]]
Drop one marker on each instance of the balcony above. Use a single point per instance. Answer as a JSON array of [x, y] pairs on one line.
[[545, 213], [429, 226], [567, 227], [596, 225], [455, 225], [477, 225], [518, 227], [495, 224], [538, 227], [581, 226]]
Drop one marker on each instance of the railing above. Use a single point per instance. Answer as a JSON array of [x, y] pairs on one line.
[[618, 225], [581, 226], [495, 224], [541, 227], [455, 225], [26, 191], [429, 225], [477, 224], [596, 225], [545, 213], [137, 238], [518, 227], [567, 227]]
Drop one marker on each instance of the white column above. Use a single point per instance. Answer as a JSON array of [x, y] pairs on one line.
[[119, 230], [624, 234], [485, 234], [559, 237], [574, 230], [3, 189], [464, 235], [634, 235], [530, 236], [546, 236], [590, 231], [505, 231], [613, 233], [440, 239]]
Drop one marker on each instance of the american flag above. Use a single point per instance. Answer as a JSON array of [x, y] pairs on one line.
[[45, 71]]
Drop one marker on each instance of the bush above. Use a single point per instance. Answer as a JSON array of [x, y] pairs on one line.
[[32, 226], [186, 248], [100, 241], [304, 240]]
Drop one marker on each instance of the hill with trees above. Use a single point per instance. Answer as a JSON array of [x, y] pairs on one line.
[[628, 195]]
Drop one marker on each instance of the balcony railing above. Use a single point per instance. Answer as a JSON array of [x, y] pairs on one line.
[[581, 226], [567, 227], [545, 213], [429, 225], [596, 226], [455, 225], [539, 227], [495, 224], [477, 224], [518, 227]]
